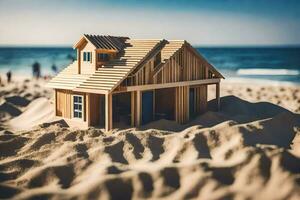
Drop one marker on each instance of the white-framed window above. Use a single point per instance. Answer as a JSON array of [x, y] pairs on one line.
[[78, 106], [87, 56]]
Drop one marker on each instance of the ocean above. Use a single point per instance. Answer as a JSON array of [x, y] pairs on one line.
[[280, 64]]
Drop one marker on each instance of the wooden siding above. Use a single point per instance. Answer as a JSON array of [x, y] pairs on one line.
[[63, 103], [87, 67], [144, 75], [184, 65], [200, 98], [94, 109], [182, 104]]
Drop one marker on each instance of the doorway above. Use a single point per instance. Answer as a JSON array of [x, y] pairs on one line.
[[192, 102], [147, 107], [121, 106], [165, 106]]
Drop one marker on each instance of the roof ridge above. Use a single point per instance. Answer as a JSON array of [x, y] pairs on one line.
[[177, 40], [106, 41], [146, 39]]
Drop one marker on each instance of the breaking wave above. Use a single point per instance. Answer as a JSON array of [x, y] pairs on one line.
[[261, 71]]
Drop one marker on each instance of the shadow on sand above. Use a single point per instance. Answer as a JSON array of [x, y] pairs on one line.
[[259, 123]]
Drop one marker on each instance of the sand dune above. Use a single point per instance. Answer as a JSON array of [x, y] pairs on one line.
[[248, 150], [38, 111]]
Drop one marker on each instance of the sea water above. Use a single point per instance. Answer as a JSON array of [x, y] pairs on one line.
[[19, 60], [281, 64], [258, 63]]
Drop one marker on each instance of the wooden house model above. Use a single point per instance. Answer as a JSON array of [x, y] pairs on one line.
[[119, 80]]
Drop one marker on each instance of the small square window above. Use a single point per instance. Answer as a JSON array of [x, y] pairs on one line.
[[103, 57]]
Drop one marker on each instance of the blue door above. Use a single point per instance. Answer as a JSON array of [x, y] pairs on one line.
[[147, 107]]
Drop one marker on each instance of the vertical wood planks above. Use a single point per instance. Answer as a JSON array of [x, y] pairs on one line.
[[88, 109], [200, 98], [184, 65], [182, 104], [63, 103]]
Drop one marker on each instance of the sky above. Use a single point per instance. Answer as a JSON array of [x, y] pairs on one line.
[[202, 22]]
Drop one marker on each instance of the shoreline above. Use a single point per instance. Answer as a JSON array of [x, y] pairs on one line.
[[260, 81]]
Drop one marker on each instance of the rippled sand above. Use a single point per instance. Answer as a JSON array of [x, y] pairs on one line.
[[248, 150]]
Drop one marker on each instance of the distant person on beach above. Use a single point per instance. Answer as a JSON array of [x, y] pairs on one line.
[[36, 70], [8, 75], [69, 56], [54, 68]]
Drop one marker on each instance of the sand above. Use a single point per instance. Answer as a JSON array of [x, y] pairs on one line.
[[248, 150]]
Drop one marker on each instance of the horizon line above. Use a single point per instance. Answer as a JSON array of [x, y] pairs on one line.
[[194, 45]]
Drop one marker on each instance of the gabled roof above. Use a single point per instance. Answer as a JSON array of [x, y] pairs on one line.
[[104, 41], [133, 54], [108, 77]]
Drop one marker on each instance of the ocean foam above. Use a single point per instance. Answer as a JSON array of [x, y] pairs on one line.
[[262, 71]]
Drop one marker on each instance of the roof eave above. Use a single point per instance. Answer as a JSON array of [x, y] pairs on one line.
[[81, 40]]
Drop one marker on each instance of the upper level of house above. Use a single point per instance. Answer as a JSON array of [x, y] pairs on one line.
[[108, 63], [93, 51]]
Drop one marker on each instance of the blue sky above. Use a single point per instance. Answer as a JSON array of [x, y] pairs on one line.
[[217, 23]]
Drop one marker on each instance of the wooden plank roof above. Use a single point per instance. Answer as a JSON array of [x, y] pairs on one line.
[[68, 78], [104, 42], [133, 53], [117, 70]]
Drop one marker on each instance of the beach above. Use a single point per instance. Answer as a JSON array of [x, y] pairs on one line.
[[250, 149]]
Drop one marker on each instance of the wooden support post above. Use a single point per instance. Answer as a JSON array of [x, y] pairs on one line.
[[138, 108], [218, 96], [153, 117], [108, 112], [182, 113], [78, 61], [133, 115], [87, 108], [55, 102], [187, 103]]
